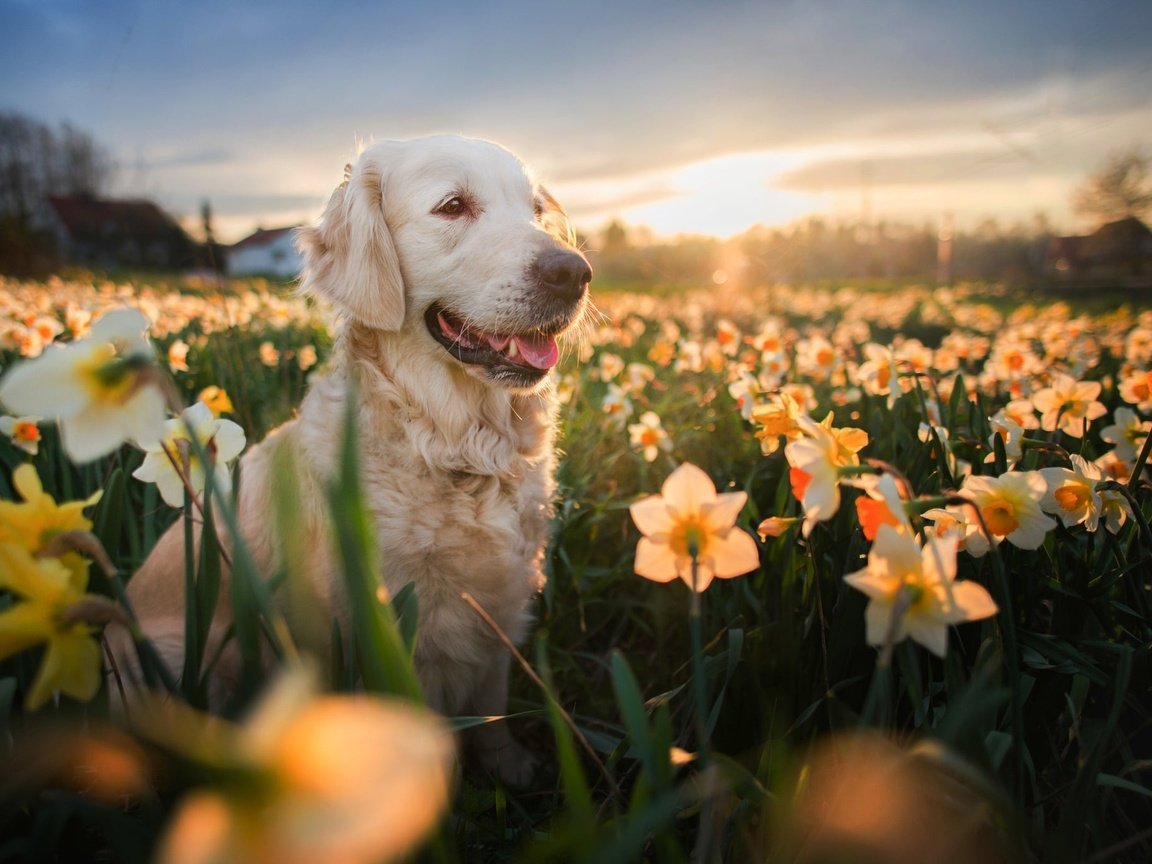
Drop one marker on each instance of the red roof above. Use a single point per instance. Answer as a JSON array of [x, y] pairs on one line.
[[84, 216]]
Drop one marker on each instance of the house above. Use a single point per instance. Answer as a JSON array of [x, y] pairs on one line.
[[112, 233], [267, 252], [1118, 255]]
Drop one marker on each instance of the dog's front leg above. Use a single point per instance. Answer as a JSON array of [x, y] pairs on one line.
[[493, 745]]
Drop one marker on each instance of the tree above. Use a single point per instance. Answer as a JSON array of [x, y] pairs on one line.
[[1121, 188], [37, 161]]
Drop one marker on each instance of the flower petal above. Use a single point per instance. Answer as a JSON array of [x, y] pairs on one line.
[[733, 554], [687, 488], [655, 561], [651, 515], [723, 513]]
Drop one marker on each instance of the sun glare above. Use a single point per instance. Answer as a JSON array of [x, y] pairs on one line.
[[726, 195]]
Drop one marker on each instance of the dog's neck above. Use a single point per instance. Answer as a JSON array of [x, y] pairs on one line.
[[455, 421]]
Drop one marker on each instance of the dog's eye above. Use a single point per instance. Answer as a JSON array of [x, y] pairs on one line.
[[454, 206]]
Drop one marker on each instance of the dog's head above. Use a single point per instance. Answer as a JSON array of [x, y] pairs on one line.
[[450, 238]]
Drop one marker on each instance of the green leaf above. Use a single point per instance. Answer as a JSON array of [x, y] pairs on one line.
[[384, 660]]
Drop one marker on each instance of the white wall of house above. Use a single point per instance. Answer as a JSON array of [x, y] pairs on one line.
[[277, 257]]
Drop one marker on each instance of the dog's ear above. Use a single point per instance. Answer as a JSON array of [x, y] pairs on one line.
[[350, 258], [554, 219]]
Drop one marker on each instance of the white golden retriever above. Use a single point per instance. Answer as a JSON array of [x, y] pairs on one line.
[[455, 275]]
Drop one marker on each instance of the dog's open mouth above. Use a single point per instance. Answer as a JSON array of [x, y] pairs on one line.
[[524, 356]]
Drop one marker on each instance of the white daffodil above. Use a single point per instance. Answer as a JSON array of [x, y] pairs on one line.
[[221, 440], [102, 390], [690, 523]]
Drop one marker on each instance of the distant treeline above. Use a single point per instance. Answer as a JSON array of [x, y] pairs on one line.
[[816, 249]]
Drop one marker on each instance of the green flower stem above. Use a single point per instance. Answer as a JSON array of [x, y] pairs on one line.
[[699, 690]]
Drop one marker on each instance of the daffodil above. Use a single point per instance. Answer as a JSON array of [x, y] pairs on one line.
[[649, 436], [1079, 496], [960, 524], [102, 389], [22, 432], [690, 532], [33, 522], [776, 419], [1127, 433], [307, 778], [222, 440], [879, 374], [1136, 389], [881, 504], [912, 591], [1067, 404], [816, 460], [1011, 435], [48, 594], [1010, 507], [216, 398]]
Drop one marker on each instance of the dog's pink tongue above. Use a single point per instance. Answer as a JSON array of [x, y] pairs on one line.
[[540, 351]]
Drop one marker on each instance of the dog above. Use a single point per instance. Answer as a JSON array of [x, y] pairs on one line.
[[454, 273]]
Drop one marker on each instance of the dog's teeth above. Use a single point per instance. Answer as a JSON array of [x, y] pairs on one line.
[[513, 349]]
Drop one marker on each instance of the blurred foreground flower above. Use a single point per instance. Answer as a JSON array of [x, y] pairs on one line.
[[52, 609], [690, 524], [37, 520], [306, 779], [221, 440], [103, 390], [22, 432], [862, 798], [912, 591]]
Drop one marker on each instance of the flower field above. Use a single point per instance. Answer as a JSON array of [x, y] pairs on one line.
[[837, 574]]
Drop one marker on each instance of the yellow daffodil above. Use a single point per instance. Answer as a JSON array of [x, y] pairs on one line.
[[102, 389], [48, 592], [1067, 404], [216, 398], [777, 419], [221, 439], [649, 436], [307, 778], [22, 432], [689, 523], [816, 460], [913, 593], [34, 521]]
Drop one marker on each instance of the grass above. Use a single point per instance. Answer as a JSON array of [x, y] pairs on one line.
[[1030, 740]]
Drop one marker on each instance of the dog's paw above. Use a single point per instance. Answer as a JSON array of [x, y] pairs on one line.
[[512, 762]]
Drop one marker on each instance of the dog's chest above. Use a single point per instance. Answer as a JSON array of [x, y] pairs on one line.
[[453, 531]]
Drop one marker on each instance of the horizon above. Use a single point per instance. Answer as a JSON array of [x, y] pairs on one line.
[[680, 118]]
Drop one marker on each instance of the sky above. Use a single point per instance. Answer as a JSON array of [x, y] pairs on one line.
[[684, 116]]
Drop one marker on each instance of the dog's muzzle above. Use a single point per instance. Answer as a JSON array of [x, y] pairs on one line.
[[520, 357]]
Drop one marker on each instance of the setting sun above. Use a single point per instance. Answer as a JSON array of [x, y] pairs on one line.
[[725, 195]]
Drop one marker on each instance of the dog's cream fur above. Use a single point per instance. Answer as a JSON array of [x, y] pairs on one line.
[[456, 460]]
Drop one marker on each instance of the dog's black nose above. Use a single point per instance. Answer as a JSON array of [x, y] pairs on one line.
[[563, 274]]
